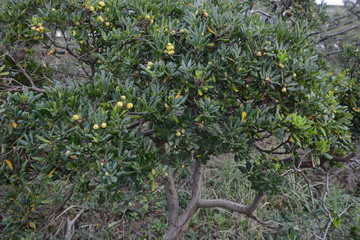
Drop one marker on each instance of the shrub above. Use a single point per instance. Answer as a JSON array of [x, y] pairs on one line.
[[163, 86]]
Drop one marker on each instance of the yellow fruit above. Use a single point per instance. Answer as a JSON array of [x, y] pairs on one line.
[[281, 65], [101, 19], [267, 79], [259, 54], [147, 17], [102, 4], [167, 106], [129, 106], [284, 89], [41, 29], [103, 125], [165, 51], [205, 14], [178, 134], [74, 32], [75, 117], [96, 127], [107, 24], [91, 8], [182, 30], [77, 23], [67, 153], [120, 104], [151, 21], [123, 97], [150, 64], [171, 52], [182, 131], [33, 28], [294, 75]]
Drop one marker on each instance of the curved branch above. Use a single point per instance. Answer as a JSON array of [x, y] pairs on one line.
[[248, 210]]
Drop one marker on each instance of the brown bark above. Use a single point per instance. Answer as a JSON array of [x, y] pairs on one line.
[[179, 223]]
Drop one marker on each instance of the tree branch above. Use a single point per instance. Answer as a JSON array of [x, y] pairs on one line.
[[197, 179], [338, 33], [248, 210], [171, 198], [33, 86]]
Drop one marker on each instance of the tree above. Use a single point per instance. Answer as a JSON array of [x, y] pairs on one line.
[[156, 89]]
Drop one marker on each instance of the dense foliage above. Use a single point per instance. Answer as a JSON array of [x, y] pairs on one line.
[[154, 87]]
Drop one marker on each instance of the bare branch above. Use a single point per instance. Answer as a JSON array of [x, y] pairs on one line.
[[70, 225], [338, 33], [33, 86], [171, 198], [323, 203], [248, 210], [197, 179], [261, 12]]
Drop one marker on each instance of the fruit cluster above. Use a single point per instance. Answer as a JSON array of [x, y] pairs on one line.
[[38, 27], [169, 49]]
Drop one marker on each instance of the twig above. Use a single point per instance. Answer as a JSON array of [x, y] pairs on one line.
[[323, 203], [70, 225], [22, 70], [261, 12]]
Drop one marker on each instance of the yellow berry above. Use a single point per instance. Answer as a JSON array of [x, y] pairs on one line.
[[33, 28], [182, 131], [103, 125], [267, 79], [281, 65], [91, 8], [75, 117], [120, 104], [102, 4], [129, 106], [107, 24], [259, 54], [77, 23], [294, 75], [150, 64], [147, 17], [123, 97], [96, 127], [101, 19], [178, 134], [67, 153], [284, 89], [171, 52], [151, 21], [167, 106], [74, 32]]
